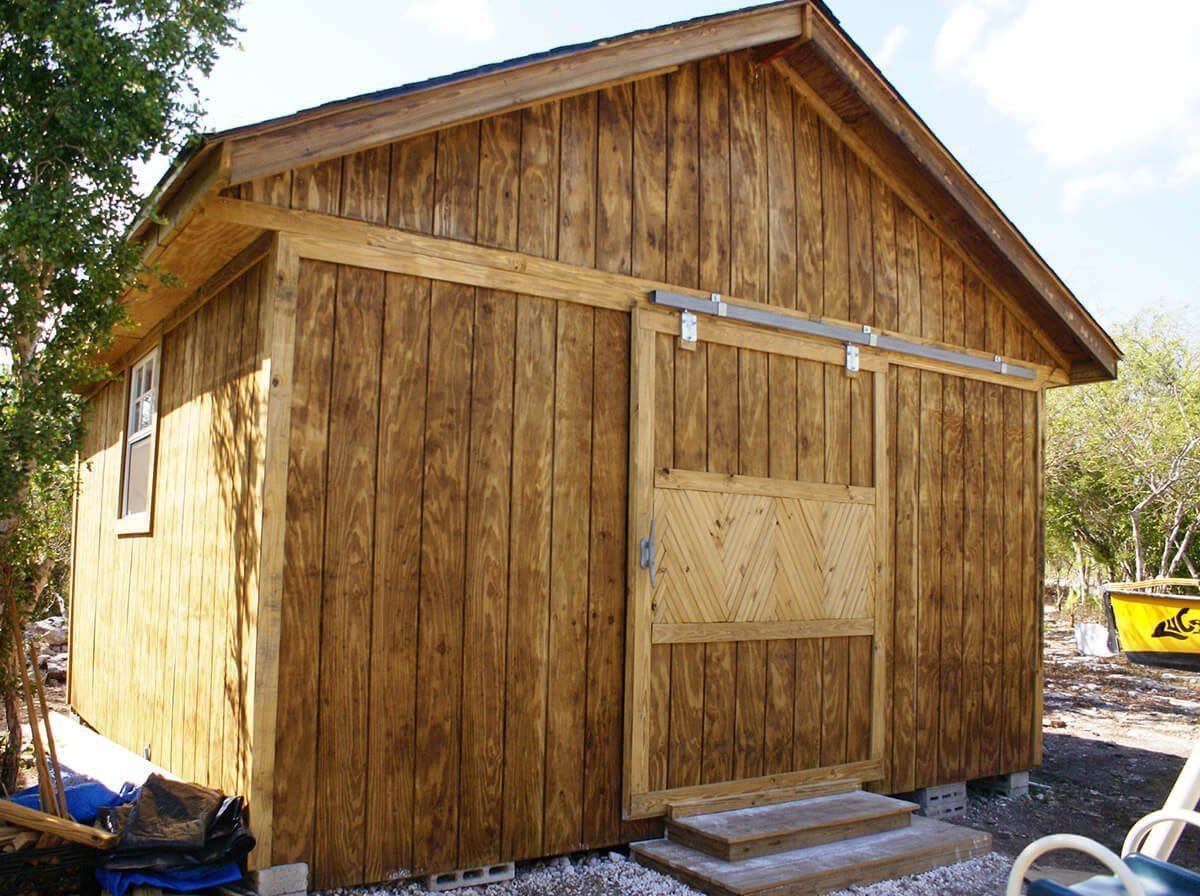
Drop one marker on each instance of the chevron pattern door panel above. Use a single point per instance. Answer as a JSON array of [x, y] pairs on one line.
[[737, 557]]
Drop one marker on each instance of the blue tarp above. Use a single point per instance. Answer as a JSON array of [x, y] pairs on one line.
[[85, 797]]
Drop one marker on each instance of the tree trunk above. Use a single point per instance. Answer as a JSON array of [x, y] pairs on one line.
[[10, 756]]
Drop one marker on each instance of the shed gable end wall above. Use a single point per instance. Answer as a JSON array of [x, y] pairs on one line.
[[718, 177]]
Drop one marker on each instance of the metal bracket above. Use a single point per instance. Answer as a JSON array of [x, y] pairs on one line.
[[687, 327], [999, 362], [851, 358], [722, 308], [646, 558], [872, 337]]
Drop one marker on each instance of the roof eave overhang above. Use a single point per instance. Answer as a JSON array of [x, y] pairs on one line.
[[875, 112]]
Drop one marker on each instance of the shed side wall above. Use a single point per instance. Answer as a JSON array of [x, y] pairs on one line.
[[163, 622]]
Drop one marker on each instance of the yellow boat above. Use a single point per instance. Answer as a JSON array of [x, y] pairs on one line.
[[1157, 624]]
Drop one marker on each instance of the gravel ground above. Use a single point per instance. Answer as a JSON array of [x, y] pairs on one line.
[[615, 875]]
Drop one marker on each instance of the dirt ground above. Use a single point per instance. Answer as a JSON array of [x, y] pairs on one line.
[[1115, 737]]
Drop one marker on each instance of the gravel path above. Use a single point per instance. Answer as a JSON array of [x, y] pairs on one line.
[[615, 875]]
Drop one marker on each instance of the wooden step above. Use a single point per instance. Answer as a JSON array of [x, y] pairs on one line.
[[762, 830], [922, 846]]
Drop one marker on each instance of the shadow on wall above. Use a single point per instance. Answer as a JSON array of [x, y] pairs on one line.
[[237, 446]]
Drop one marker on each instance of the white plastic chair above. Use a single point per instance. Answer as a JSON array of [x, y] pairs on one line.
[[1116, 864]]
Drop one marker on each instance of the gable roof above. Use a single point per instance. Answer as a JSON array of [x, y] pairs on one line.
[[801, 38]]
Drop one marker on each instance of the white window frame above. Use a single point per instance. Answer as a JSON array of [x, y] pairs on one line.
[[141, 425]]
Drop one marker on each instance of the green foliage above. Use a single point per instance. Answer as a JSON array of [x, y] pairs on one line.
[[1123, 457], [86, 89]]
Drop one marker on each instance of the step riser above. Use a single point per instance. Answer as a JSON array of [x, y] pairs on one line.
[[862, 875], [732, 852], [853, 861]]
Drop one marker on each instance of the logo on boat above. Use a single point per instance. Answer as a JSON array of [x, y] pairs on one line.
[[1176, 627]]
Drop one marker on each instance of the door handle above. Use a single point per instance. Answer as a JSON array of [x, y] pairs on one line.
[[647, 555]]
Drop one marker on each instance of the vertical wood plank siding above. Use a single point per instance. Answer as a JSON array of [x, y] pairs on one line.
[[451, 672], [166, 618], [490, 645]]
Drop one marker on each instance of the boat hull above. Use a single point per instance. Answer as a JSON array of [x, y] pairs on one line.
[[1158, 630]]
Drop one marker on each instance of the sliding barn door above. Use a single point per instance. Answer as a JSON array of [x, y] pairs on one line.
[[757, 627]]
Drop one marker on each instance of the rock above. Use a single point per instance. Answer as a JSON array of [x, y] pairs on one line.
[[51, 631], [56, 669]]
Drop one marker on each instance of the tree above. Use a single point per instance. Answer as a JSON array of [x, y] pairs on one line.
[[88, 88], [1123, 458]]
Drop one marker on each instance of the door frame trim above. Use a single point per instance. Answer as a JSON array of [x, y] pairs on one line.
[[638, 800]]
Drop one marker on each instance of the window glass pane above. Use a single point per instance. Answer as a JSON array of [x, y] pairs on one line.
[[145, 413], [137, 473]]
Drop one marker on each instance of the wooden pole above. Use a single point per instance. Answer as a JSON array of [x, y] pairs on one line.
[[46, 794], [60, 790]]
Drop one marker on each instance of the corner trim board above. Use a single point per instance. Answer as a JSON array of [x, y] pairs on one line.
[[281, 279]]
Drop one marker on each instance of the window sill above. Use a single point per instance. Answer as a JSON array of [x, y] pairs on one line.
[[134, 524]]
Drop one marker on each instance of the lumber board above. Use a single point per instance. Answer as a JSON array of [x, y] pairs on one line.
[[606, 580], [835, 269], [929, 583], [883, 255], [299, 647], [810, 232], [950, 759], [411, 180], [456, 183], [975, 593], [486, 579], [345, 622], [748, 185], [1032, 589], [567, 657], [577, 182], [529, 578], [614, 179], [392, 697], [850, 773], [68, 830], [835, 672], [649, 179], [279, 291], [1015, 707], [860, 241], [790, 630], [683, 165], [993, 627], [365, 177], [499, 180], [440, 645], [780, 164], [714, 186]]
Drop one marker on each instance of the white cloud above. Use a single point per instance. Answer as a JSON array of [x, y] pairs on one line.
[[469, 19], [1107, 184], [896, 38], [1099, 90]]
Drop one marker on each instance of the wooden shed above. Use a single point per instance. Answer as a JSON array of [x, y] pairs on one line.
[[523, 452]]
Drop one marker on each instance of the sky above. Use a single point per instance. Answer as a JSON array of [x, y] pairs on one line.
[[1081, 118]]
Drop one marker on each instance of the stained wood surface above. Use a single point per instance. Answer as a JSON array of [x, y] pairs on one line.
[[809, 228], [185, 593], [781, 827], [924, 845], [754, 195]]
